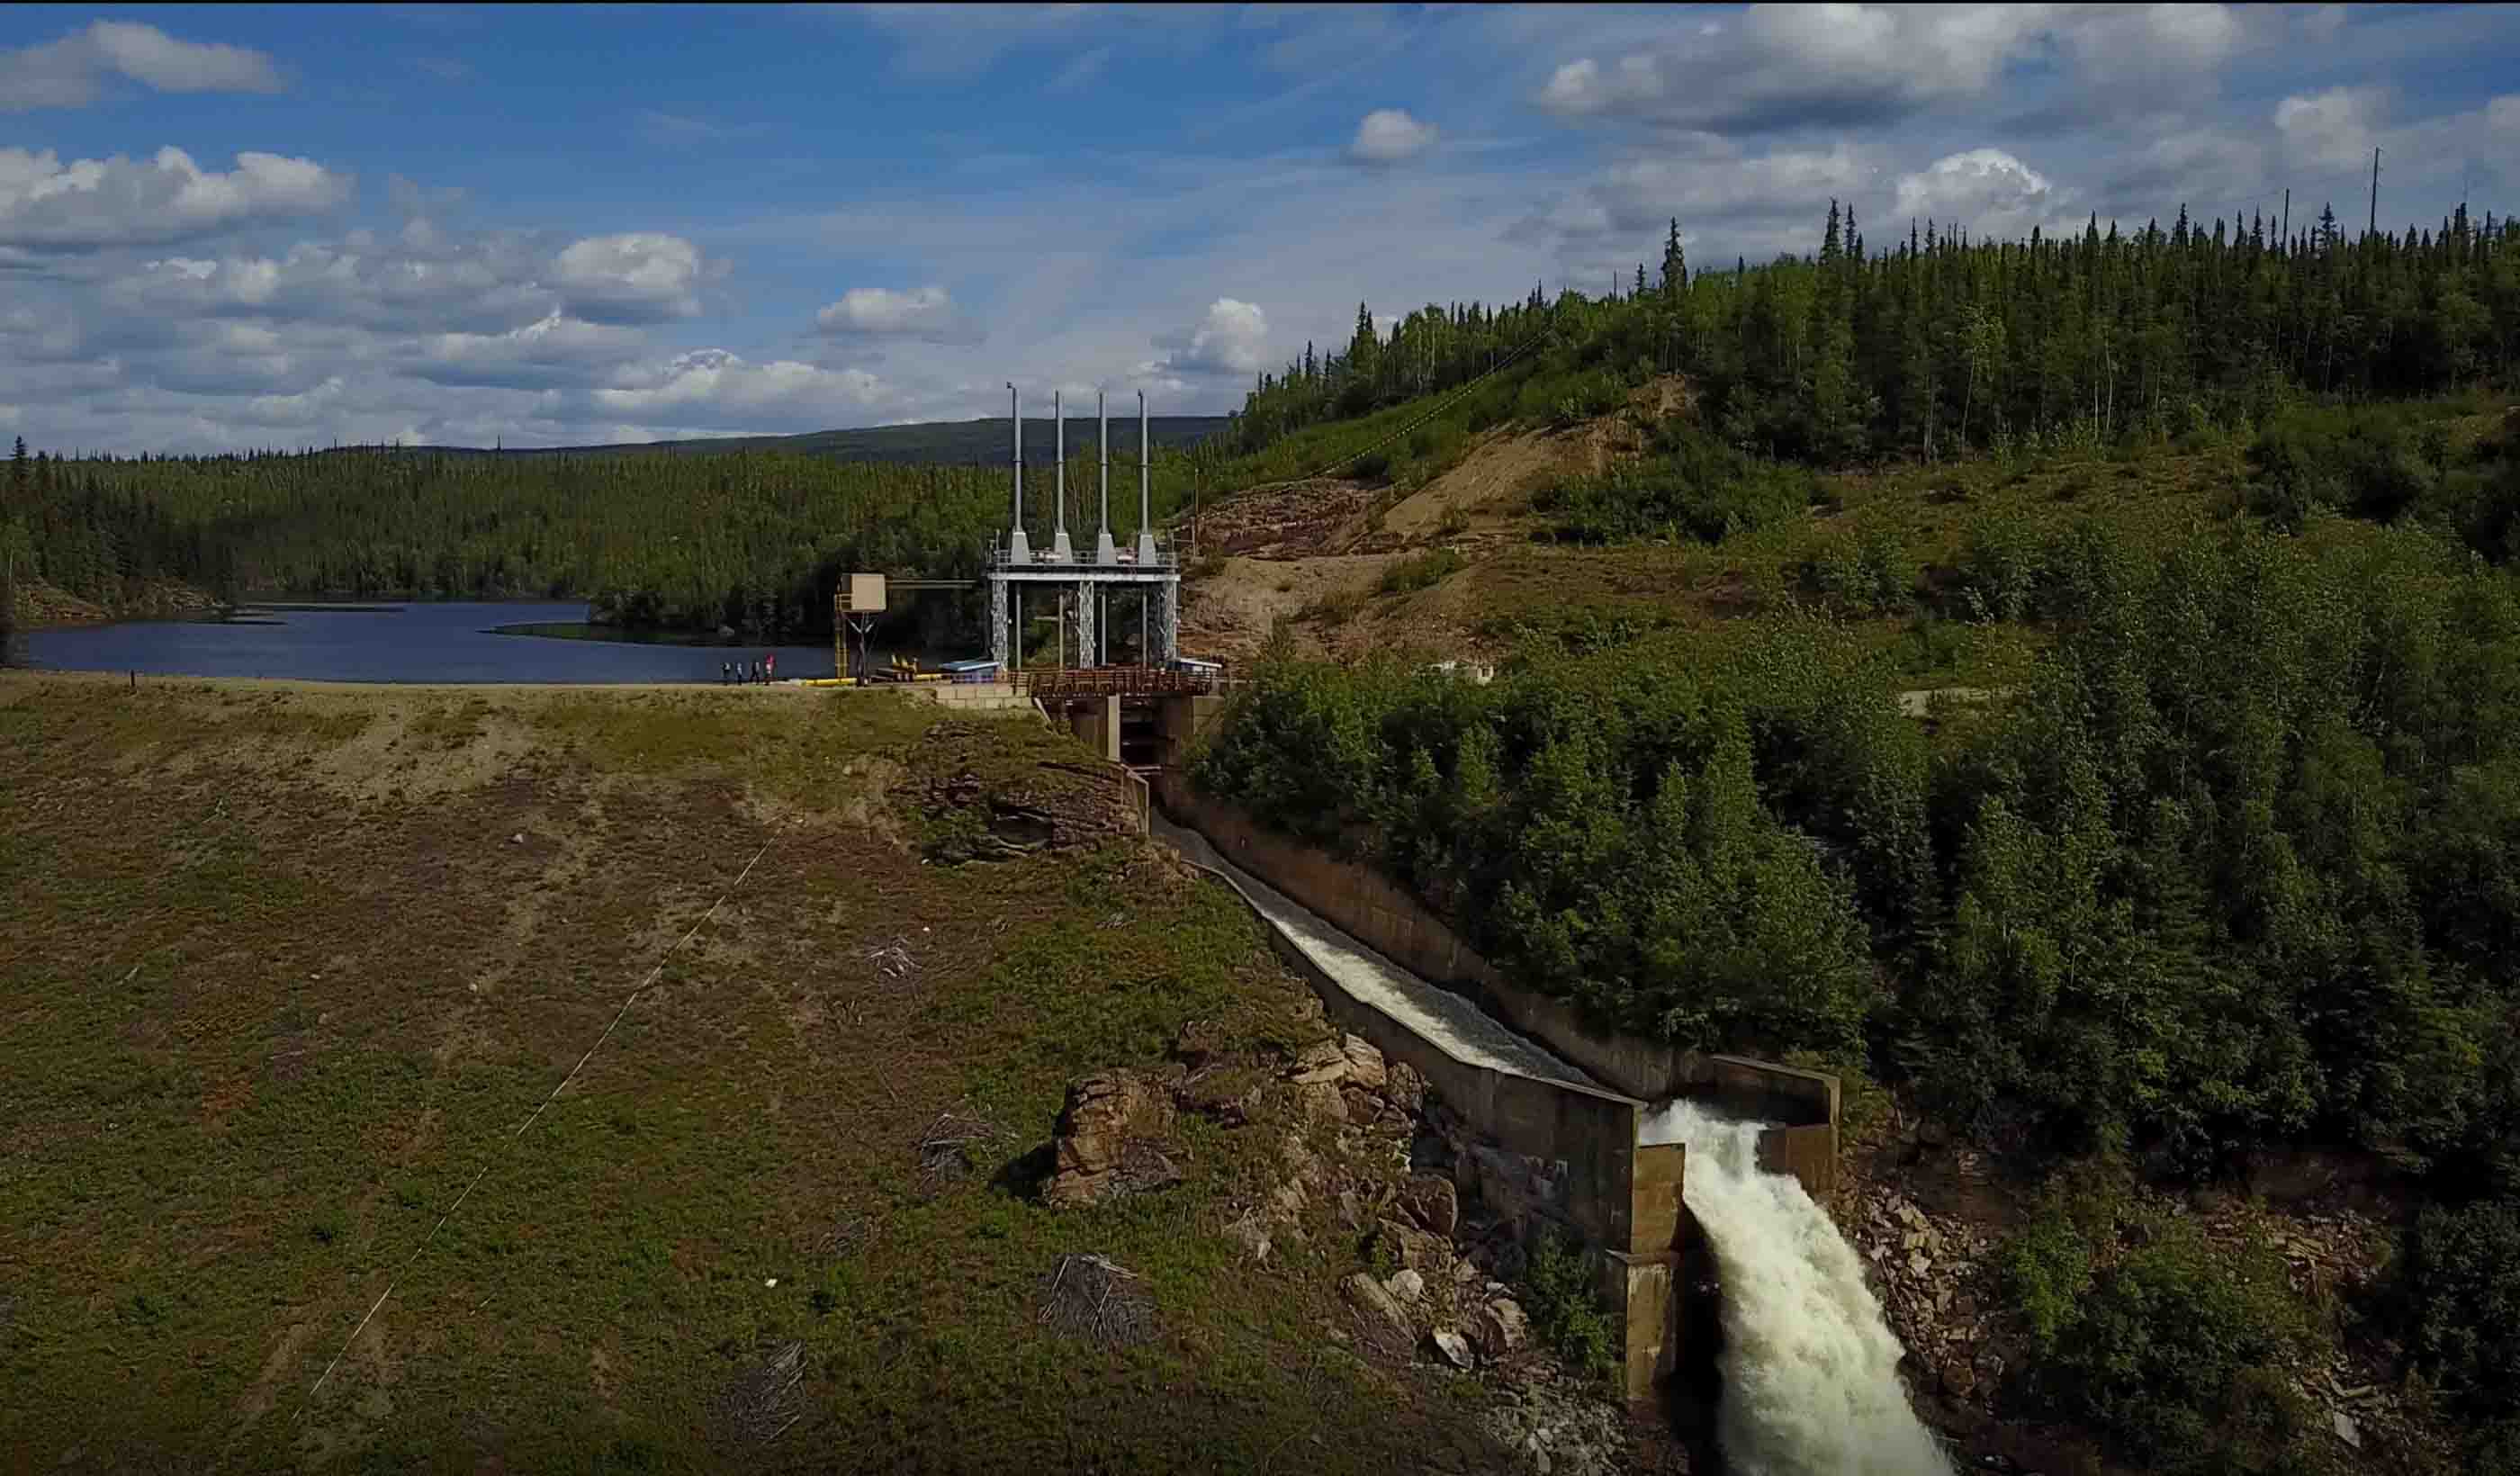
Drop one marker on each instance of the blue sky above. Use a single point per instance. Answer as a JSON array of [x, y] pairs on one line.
[[229, 226]]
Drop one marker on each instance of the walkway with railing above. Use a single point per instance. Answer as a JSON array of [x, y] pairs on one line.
[[1047, 682]]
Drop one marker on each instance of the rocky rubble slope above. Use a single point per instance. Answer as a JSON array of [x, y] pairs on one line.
[[1367, 1171]]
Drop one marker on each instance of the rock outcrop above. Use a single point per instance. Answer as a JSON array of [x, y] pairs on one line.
[[970, 805], [1104, 1140]]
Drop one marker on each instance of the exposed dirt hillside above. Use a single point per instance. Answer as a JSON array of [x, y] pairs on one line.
[[1311, 554], [1312, 558]]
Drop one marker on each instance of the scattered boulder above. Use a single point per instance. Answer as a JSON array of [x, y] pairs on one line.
[[1365, 1064], [1197, 1042], [2346, 1429], [1318, 1064], [1302, 1165], [1412, 1247], [1384, 1319], [1320, 1100], [1095, 1149], [1455, 1348], [1500, 1328], [1404, 1088], [1431, 1203], [1223, 1096], [1406, 1285], [1252, 1235]]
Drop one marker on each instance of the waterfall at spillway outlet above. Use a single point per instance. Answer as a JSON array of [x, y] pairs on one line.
[[1811, 1386]]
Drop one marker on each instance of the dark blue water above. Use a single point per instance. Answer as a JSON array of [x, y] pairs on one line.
[[407, 643]]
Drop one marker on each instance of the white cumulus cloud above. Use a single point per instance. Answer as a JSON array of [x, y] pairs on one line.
[[2330, 129], [88, 203], [639, 277], [924, 313], [421, 281], [722, 388], [1389, 135], [1230, 339], [1988, 191], [1793, 66], [69, 72], [549, 352]]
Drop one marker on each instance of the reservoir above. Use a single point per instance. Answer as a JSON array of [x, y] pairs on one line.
[[384, 642]]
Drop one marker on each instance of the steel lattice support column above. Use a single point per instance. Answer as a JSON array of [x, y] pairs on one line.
[[1087, 598], [1168, 623], [998, 623]]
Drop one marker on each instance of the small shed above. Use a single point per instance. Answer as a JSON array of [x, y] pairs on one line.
[[979, 669]]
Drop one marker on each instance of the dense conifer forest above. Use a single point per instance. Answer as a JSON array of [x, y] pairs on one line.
[[1938, 344]]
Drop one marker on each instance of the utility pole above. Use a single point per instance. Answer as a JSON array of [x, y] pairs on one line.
[[2374, 229], [2288, 221]]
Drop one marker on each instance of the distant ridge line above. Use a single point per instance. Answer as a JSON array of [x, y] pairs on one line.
[[953, 441]]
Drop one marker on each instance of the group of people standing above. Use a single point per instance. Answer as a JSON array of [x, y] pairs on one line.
[[750, 673]]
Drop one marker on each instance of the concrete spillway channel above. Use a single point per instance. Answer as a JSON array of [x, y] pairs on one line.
[[1797, 1358], [1440, 1017]]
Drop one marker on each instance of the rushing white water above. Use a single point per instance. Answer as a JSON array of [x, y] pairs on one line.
[[1809, 1380]]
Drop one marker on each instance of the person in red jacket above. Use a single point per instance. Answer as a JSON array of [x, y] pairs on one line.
[[770, 668]]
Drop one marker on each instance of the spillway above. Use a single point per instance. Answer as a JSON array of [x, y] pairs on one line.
[[1811, 1386]]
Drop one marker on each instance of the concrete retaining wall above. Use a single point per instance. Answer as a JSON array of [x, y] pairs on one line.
[[1095, 721], [1586, 1138], [1181, 722], [982, 697], [1359, 901]]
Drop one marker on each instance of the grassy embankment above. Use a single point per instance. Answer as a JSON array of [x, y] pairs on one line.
[[286, 968]]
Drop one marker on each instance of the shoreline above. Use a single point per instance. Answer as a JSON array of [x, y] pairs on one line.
[[23, 675]]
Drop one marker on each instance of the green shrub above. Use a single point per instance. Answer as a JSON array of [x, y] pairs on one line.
[[1998, 567], [1336, 608], [1707, 487], [1421, 571], [1933, 644], [1578, 630], [2162, 1350], [1563, 1301], [2460, 1286], [1867, 576], [2045, 1269]]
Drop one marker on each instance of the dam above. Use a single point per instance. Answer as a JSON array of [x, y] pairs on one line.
[[1700, 1202]]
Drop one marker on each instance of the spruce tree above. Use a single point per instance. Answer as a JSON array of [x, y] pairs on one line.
[[1675, 265]]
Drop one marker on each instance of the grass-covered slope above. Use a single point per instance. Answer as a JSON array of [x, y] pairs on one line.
[[286, 969]]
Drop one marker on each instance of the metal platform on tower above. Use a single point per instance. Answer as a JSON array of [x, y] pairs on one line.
[[1084, 586]]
